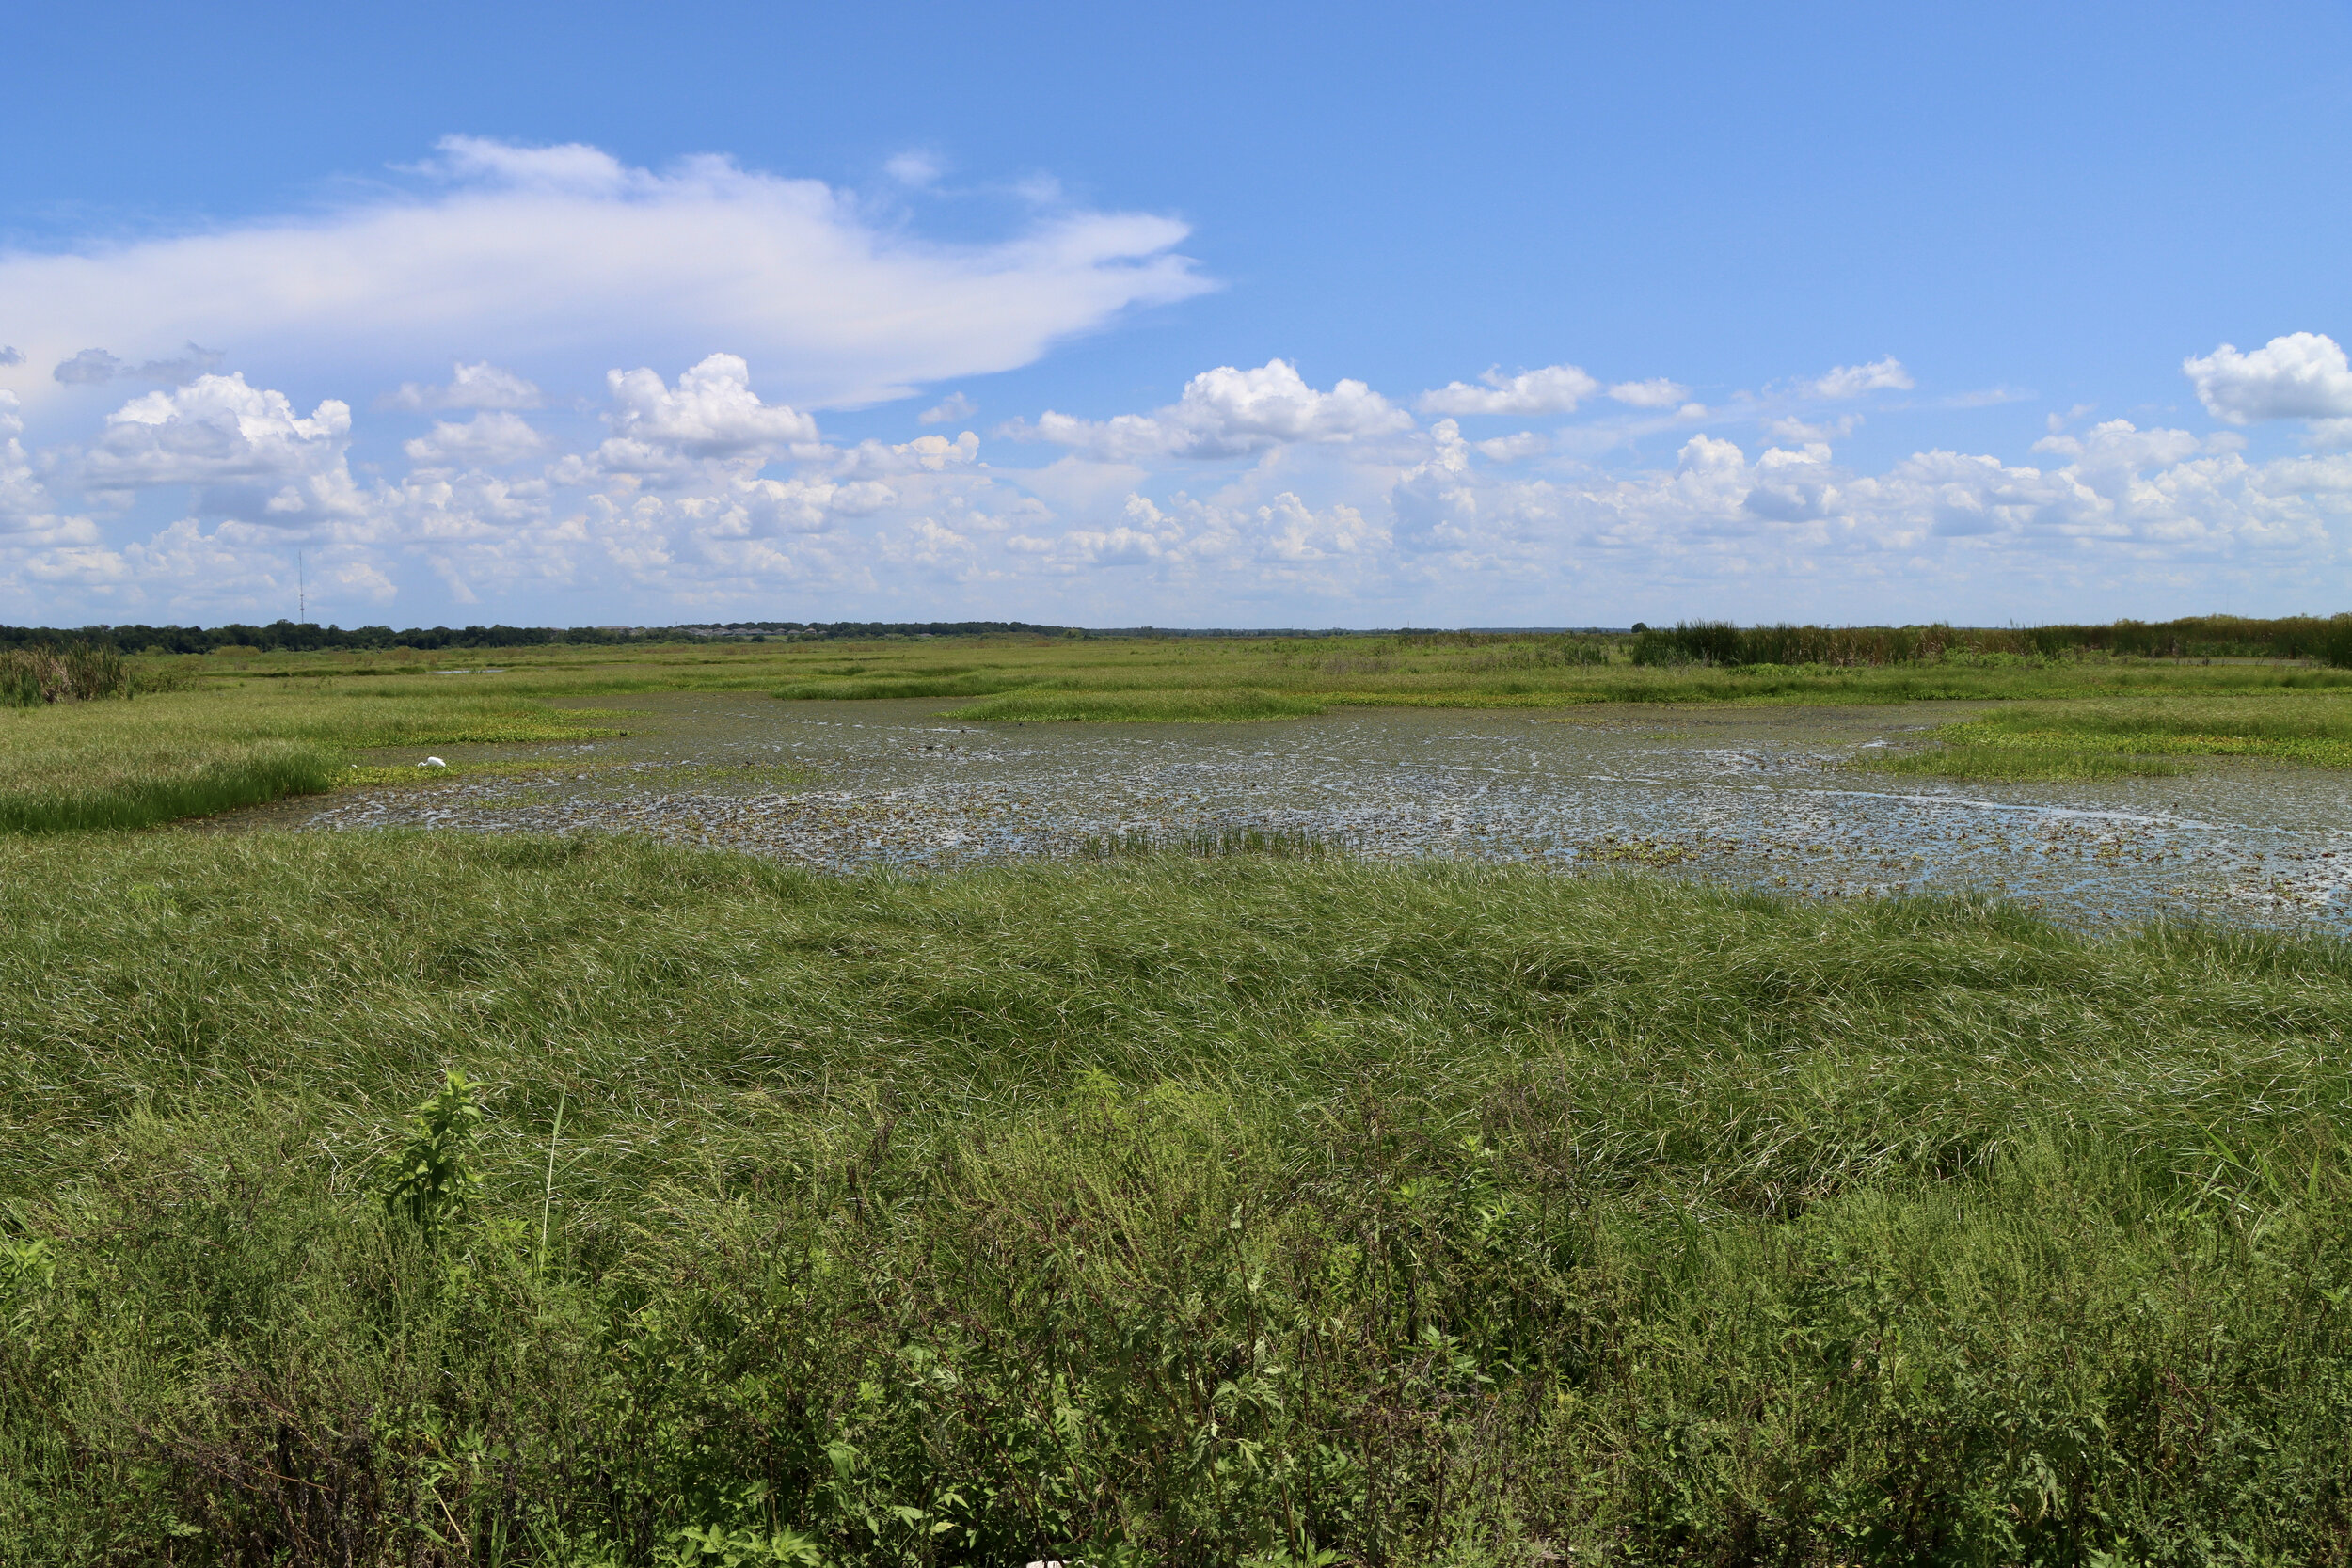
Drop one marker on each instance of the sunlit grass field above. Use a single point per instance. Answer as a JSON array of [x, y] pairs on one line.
[[1236, 1210]]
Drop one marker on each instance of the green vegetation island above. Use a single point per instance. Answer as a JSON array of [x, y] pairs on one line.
[[395, 1197]]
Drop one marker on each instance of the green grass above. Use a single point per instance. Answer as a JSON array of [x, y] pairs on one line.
[[2135, 735], [1962, 760], [177, 754], [1444, 669], [1211, 1210]]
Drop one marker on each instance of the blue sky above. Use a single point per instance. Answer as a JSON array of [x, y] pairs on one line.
[[1219, 315]]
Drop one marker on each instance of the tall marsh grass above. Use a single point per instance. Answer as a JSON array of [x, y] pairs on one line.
[[1236, 1210], [32, 676], [2200, 636]]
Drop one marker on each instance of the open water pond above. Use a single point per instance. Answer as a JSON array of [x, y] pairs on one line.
[[1755, 795]]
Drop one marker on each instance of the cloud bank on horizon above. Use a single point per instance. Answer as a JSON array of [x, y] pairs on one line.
[[591, 393]]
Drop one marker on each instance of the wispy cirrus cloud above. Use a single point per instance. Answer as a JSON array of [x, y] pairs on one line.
[[563, 256]]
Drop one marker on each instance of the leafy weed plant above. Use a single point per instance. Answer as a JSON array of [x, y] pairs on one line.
[[429, 1181]]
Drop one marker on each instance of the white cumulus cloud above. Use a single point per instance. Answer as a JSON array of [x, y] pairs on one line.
[[563, 257], [924, 454], [954, 405], [477, 386], [1230, 413], [712, 415], [2300, 376], [1657, 393], [486, 440], [1553, 389], [1513, 449], [1851, 381], [707, 499], [251, 455], [27, 513]]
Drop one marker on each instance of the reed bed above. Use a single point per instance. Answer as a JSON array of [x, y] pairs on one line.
[[31, 676], [2199, 636], [1240, 1208]]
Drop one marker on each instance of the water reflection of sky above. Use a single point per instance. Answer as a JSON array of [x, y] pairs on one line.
[[1753, 796]]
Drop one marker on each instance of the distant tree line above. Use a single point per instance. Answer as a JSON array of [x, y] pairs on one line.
[[2327, 640], [1722, 643], [308, 636]]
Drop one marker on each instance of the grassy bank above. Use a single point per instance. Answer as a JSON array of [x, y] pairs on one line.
[[1216, 1210], [2135, 735], [164, 757]]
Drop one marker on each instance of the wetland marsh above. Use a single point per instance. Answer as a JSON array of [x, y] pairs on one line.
[[1768, 797], [1510, 1122]]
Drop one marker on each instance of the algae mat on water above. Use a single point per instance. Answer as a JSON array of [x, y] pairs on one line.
[[1210, 1211], [1748, 795]]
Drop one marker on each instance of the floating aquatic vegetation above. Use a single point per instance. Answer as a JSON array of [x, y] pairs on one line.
[[1753, 797]]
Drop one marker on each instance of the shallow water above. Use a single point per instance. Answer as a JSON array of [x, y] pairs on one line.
[[1752, 795]]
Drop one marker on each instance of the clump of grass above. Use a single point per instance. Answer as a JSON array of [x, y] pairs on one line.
[[1167, 1208], [2014, 763], [32, 676], [137, 786], [1213, 706]]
